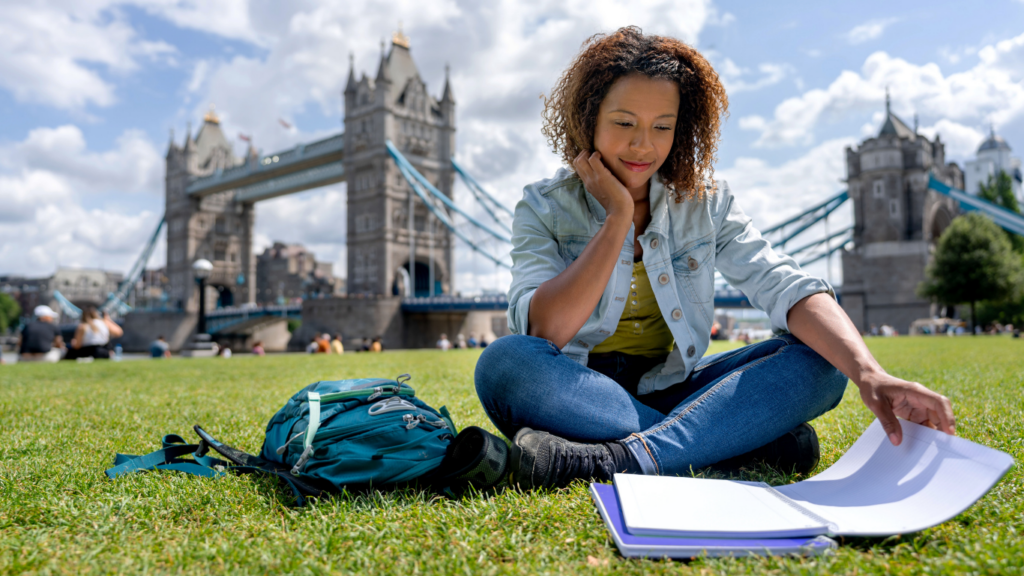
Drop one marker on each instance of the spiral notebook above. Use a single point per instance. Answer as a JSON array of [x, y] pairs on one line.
[[875, 489]]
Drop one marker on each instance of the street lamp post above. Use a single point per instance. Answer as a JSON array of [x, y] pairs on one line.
[[201, 269]]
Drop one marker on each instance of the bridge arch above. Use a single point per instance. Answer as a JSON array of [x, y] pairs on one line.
[[940, 220]]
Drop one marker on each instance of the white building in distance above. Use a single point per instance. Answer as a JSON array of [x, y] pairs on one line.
[[993, 157]]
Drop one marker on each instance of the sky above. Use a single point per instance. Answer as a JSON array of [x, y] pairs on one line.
[[91, 91]]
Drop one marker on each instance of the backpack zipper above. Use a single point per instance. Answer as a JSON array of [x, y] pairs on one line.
[[374, 393]]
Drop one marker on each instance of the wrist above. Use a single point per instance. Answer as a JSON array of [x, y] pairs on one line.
[[619, 217], [868, 375]]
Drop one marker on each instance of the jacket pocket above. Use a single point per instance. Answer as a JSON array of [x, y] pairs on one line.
[[570, 247], [695, 271]]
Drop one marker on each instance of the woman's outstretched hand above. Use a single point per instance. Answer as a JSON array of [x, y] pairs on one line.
[[888, 397], [603, 185]]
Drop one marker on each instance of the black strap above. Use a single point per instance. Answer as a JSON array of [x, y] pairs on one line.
[[474, 458]]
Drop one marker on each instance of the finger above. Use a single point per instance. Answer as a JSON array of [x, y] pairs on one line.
[[583, 169], [943, 413], [599, 168], [890, 423]]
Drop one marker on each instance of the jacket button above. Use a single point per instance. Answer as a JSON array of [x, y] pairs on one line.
[[691, 351], [692, 263], [654, 243], [677, 314], [663, 278]]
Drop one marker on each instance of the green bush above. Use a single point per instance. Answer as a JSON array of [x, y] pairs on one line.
[[10, 311], [973, 263]]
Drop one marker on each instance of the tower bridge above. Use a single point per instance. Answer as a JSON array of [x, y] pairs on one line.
[[396, 156]]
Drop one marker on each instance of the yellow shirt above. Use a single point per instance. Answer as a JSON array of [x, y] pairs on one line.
[[642, 330], [337, 347]]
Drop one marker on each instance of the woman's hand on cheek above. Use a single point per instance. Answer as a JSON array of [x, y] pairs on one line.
[[603, 185]]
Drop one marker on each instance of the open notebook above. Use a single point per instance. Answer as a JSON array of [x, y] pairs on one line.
[[875, 489]]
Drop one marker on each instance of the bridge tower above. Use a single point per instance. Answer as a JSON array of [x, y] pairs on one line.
[[897, 221], [395, 105], [214, 227]]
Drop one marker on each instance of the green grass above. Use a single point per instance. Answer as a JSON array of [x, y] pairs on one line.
[[60, 426]]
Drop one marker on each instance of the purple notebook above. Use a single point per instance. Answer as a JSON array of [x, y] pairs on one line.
[[672, 547]]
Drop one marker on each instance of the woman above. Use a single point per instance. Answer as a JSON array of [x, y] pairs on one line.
[[612, 295], [92, 335]]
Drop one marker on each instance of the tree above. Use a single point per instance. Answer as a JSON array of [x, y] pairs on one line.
[[10, 310], [999, 191], [973, 263]]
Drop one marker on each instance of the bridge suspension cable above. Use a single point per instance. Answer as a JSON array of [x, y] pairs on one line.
[[414, 174], [807, 218], [1001, 216], [480, 193], [417, 182], [116, 301]]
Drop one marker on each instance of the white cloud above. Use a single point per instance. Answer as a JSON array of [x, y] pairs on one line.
[[992, 90], [51, 185], [869, 30], [736, 78], [961, 141], [52, 54], [133, 167]]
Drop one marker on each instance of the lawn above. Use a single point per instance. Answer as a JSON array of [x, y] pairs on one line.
[[61, 425]]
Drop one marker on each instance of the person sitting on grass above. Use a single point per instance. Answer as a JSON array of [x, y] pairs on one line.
[[92, 336], [160, 348], [337, 347], [40, 340], [612, 295], [257, 348]]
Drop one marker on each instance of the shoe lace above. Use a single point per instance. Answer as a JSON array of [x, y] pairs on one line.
[[581, 461]]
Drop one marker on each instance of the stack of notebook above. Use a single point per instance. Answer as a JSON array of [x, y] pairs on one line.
[[875, 489]]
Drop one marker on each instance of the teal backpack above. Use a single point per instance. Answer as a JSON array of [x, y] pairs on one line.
[[365, 432]]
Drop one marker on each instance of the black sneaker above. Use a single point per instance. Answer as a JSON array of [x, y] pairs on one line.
[[542, 460], [795, 451]]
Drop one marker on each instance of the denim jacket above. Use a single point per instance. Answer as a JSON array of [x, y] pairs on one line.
[[682, 246]]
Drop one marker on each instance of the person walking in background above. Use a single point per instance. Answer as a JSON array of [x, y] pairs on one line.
[[160, 348], [40, 340], [93, 335], [257, 348], [443, 343], [337, 347]]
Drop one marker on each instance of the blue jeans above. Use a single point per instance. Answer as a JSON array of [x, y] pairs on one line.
[[731, 403]]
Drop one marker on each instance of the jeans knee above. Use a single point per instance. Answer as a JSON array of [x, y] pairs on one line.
[[498, 364], [825, 384]]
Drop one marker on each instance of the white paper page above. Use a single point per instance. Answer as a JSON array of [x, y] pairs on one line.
[[696, 507], [877, 489]]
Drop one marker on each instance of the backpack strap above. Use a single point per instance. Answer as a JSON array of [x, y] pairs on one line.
[[169, 457]]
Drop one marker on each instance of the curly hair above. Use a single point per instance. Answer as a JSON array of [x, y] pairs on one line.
[[570, 112]]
